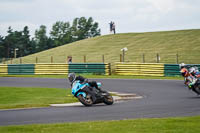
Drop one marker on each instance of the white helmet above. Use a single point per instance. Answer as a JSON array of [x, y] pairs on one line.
[[196, 69], [192, 70], [181, 65]]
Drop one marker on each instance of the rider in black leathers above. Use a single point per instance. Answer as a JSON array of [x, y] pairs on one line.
[[72, 77]]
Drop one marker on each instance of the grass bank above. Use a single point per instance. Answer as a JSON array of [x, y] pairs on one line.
[[20, 97], [141, 47], [162, 125]]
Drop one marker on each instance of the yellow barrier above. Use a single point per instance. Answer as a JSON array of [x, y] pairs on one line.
[[3, 69], [140, 69], [51, 68], [107, 69]]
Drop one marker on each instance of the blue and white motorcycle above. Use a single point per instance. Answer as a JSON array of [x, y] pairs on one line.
[[88, 95]]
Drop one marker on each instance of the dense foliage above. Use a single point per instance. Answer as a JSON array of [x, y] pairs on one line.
[[60, 34]]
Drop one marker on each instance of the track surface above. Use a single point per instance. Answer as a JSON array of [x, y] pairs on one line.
[[162, 98]]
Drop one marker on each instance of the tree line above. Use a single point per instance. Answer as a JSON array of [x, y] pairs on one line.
[[60, 34]]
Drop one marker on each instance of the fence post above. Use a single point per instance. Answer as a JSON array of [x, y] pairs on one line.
[[110, 71], [11, 60], [158, 58], [51, 59], [120, 58], [103, 59], [177, 58], [84, 58], [20, 60], [123, 56], [36, 60], [143, 58]]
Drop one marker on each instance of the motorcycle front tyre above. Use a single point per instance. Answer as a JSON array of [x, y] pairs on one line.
[[108, 100], [85, 101]]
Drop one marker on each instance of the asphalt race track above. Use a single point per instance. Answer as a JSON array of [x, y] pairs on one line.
[[161, 98]]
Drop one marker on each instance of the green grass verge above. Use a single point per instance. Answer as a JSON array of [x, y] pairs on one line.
[[20, 97], [162, 125], [96, 76]]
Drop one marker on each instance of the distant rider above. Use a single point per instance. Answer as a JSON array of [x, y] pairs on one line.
[[195, 72], [184, 72]]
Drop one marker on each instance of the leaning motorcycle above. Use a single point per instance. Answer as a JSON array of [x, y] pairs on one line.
[[88, 95], [196, 86]]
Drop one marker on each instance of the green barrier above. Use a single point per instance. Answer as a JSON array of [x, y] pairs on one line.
[[94, 68], [21, 69], [171, 70], [174, 70], [57, 68]]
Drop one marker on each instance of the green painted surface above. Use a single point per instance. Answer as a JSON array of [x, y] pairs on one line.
[[174, 70], [171, 70], [21, 69], [97, 68]]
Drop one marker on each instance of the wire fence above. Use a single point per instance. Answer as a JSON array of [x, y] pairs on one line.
[[93, 58]]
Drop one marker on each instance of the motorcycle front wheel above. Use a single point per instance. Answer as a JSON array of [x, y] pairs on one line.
[[108, 99], [197, 89], [87, 101]]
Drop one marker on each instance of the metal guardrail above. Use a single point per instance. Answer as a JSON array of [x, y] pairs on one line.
[[3, 69], [55, 68], [174, 70], [140, 69], [21, 69], [94, 68]]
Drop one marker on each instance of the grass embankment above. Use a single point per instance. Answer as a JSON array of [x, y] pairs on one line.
[[167, 44], [20, 97], [164, 125], [96, 76]]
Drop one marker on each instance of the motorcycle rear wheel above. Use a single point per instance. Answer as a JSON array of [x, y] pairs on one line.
[[87, 101]]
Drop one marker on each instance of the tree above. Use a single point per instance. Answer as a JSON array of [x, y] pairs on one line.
[[17, 39], [12, 40], [2, 47], [41, 39], [26, 42], [61, 33], [83, 28]]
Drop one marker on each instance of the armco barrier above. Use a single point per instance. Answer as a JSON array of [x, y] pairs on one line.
[[21, 69], [94, 68], [51, 68], [58, 68], [174, 70], [140, 69], [3, 69], [54, 68]]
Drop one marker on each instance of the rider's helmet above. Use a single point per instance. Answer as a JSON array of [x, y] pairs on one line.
[[192, 71], [182, 65], [71, 77], [196, 69]]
